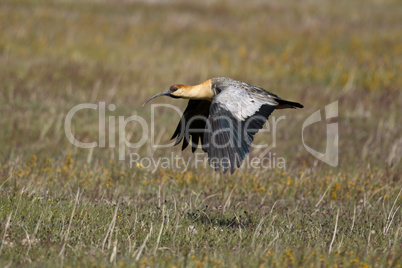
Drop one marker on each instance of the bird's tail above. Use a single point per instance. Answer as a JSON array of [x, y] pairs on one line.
[[283, 104]]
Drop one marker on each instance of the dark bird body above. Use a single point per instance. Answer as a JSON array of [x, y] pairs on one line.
[[223, 115]]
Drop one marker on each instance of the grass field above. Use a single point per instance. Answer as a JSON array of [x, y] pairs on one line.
[[66, 206]]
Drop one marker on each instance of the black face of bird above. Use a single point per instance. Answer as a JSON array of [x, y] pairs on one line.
[[170, 92]]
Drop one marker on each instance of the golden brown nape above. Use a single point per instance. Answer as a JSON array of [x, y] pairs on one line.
[[202, 91]]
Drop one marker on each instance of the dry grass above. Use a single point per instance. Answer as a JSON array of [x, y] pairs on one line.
[[61, 205]]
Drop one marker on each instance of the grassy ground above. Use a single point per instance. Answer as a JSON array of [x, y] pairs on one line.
[[61, 205]]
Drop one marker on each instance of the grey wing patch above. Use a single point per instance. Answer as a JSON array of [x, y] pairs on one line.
[[241, 103], [234, 118]]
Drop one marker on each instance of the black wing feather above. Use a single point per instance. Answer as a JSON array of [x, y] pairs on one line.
[[228, 140], [192, 124]]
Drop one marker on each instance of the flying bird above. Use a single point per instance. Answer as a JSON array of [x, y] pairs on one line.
[[223, 115]]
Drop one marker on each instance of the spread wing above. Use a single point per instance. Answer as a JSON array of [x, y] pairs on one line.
[[235, 116], [192, 124]]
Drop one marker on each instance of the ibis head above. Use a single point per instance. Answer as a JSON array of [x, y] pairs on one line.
[[202, 91]]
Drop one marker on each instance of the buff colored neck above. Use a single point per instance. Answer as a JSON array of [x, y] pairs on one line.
[[202, 91]]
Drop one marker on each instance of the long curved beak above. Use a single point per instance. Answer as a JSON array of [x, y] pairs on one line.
[[164, 93]]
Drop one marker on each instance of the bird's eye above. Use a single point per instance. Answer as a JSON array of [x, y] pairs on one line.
[[173, 89]]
